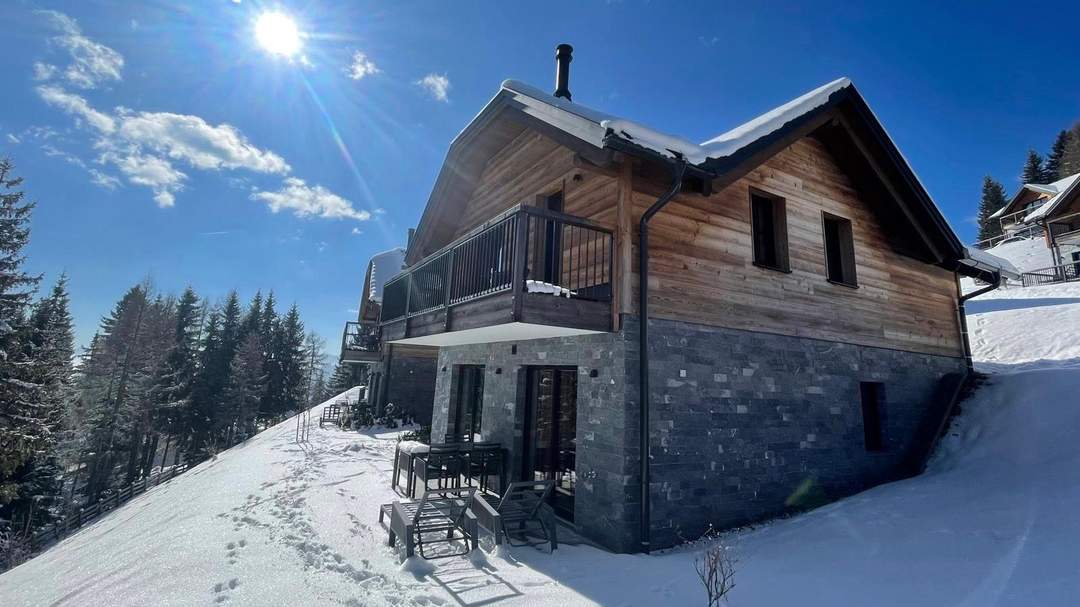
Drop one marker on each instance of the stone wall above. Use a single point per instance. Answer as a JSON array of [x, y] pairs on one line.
[[747, 425], [410, 384], [606, 452]]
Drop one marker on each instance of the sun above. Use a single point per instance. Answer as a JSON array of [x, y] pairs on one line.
[[277, 33]]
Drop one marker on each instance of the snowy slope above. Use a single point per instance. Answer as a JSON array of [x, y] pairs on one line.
[[1022, 328], [271, 522], [1027, 255]]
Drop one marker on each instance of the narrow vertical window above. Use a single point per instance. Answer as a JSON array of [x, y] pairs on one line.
[[839, 250], [768, 225], [470, 403], [872, 394]]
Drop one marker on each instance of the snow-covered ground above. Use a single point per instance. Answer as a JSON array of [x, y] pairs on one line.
[[1027, 254], [271, 522]]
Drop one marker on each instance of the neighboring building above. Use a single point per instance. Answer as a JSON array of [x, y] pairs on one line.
[[1049, 211], [400, 374], [804, 319]]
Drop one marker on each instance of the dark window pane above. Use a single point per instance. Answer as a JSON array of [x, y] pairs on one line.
[[871, 394], [839, 250], [764, 228]]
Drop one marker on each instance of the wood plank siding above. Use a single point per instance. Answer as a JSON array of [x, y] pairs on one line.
[[701, 266], [701, 251]]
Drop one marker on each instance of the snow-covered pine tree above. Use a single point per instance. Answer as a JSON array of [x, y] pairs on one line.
[[23, 414], [1057, 154], [1033, 169], [993, 198]]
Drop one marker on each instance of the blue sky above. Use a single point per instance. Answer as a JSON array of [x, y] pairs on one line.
[[162, 140]]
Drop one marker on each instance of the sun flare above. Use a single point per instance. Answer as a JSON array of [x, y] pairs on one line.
[[278, 34]]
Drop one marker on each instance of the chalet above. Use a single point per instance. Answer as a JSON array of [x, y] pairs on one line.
[[393, 373], [803, 334], [1049, 211]]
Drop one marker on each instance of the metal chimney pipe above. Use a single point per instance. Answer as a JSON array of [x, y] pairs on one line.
[[563, 58]]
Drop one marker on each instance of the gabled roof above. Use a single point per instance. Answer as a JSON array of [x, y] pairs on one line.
[[1061, 191], [1045, 189], [835, 113]]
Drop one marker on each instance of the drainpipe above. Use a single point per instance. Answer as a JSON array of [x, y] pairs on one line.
[[961, 300], [678, 169]]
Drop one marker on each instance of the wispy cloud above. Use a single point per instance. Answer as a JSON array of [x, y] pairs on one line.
[[437, 85], [310, 201], [76, 106], [12, 139], [357, 231], [217, 233], [361, 66], [92, 63]]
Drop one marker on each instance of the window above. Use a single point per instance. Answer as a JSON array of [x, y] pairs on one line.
[[839, 250], [768, 225], [470, 402], [872, 394]]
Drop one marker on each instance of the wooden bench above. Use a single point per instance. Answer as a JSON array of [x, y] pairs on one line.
[[330, 413]]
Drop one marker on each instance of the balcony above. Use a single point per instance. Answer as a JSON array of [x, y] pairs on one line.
[[528, 273], [360, 343]]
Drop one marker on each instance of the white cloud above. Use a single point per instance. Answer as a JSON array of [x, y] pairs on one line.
[[103, 179], [361, 66], [193, 140], [357, 231], [76, 106], [310, 201], [151, 171], [12, 139], [438, 85], [43, 71], [92, 63]]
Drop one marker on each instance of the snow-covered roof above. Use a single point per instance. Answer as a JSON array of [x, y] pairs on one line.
[[384, 266], [721, 146], [1060, 190], [982, 260]]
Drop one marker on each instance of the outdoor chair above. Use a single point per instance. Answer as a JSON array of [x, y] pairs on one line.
[[521, 511], [405, 453], [441, 516], [330, 413], [485, 461], [442, 464]]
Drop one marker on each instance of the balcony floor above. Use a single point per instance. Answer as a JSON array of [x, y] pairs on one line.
[[511, 331]]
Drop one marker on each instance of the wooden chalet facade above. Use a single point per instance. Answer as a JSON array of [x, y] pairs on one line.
[[805, 335]]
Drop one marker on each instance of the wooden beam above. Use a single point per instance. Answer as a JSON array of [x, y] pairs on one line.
[[624, 222]]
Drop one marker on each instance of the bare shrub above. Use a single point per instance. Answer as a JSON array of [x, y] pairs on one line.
[[716, 570]]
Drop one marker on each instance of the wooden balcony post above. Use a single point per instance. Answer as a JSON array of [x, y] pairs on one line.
[[517, 285]]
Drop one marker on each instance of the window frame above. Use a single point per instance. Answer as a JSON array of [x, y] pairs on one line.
[[476, 414], [846, 252], [780, 247]]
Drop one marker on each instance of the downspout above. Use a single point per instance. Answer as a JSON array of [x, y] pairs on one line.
[[961, 300], [678, 169]]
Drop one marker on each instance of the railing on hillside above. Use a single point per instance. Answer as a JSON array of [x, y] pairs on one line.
[[1026, 232], [549, 248], [1053, 274], [87, 514]]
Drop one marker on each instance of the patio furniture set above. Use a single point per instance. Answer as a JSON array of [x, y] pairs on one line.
[[450, 510]]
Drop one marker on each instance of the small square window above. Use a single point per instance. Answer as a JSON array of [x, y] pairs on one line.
[[839, 250], [768, 225]]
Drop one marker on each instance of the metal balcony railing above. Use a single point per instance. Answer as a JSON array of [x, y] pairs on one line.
[[360, 337], [545, 249]]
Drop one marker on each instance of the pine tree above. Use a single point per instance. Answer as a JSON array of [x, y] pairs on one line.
[[315, 361], [1033, 169], [1057, 154], [341, 380], [23, 414], [174, 378], [205, 397], [247, 384], [993, 199], [1070, 158], [291, 356]]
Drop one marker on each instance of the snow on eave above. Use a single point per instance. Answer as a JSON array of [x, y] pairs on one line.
[[1067, 186], [989, 262]]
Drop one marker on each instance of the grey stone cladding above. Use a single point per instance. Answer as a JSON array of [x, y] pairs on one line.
[[744, 425]]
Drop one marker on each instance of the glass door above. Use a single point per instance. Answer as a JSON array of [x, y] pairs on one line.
[[470, 403], [551, 433]]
